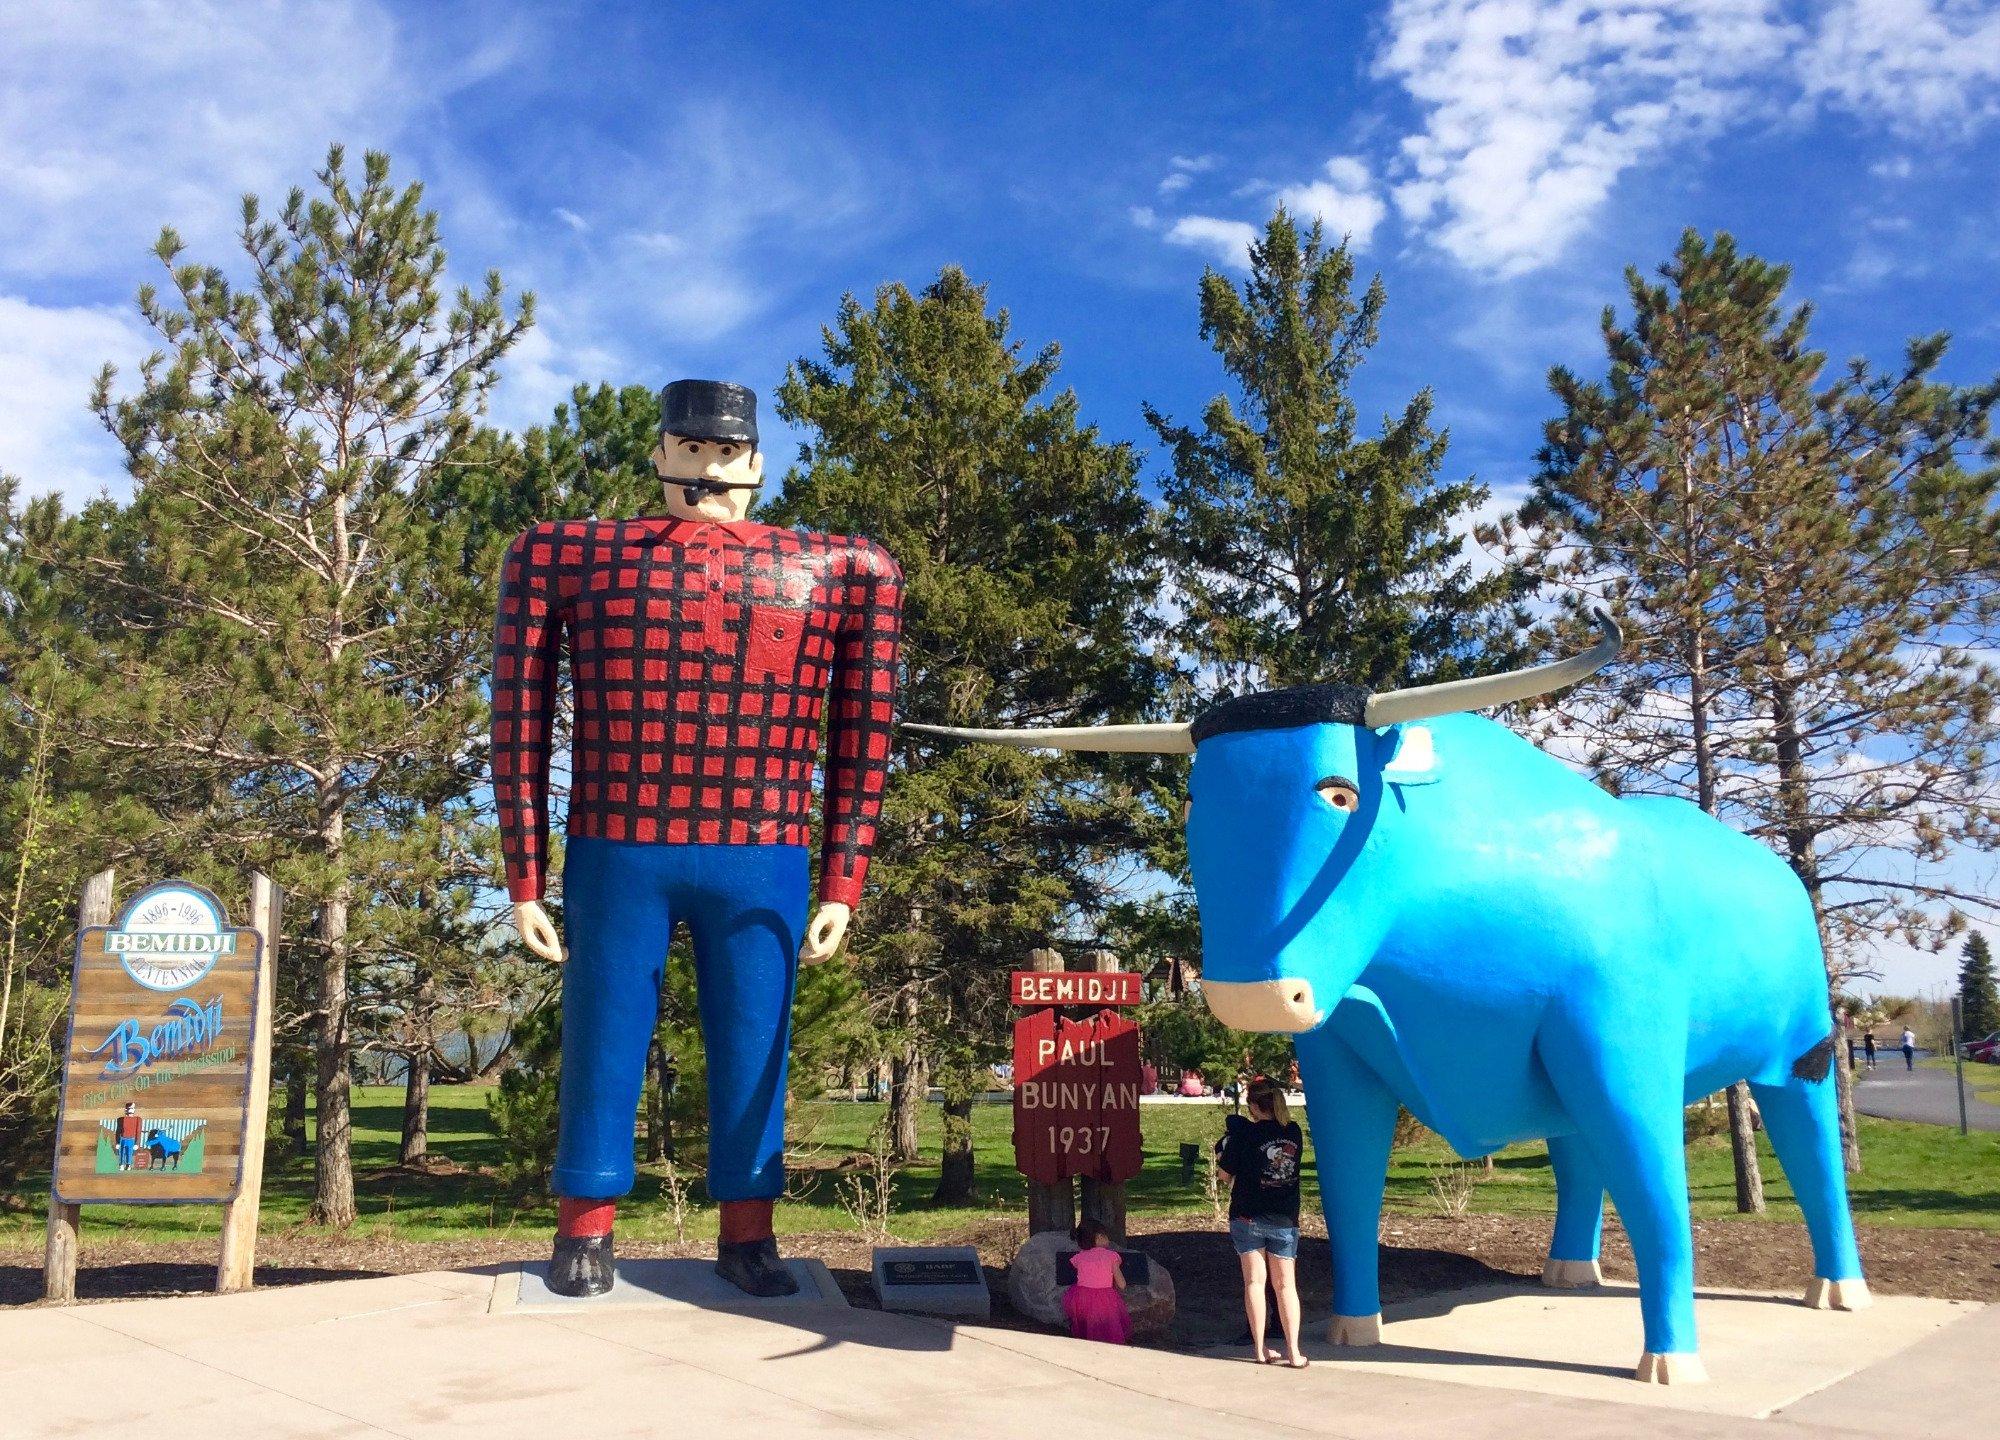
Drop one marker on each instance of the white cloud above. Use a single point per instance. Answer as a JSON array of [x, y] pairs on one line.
[[121, 118], [116, 119], [1228, 240], [1345, 202], [1534, 108], [1913, 65], [1181, 171], [1530, 112], [49, 355]]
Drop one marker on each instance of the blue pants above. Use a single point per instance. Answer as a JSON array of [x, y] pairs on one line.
[[746, 908]]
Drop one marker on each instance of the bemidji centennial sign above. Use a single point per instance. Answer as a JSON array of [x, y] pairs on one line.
[[156, 1083], [1076, 1081]]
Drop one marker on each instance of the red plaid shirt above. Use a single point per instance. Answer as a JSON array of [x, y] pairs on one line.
[[700, 656]]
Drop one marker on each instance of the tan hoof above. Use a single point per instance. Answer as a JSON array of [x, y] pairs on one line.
[[1355, 1330], [1838, 1294], [1572, 1274], [1673, 1369]]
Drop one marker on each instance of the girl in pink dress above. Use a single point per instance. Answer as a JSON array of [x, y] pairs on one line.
[[1095, 1308]]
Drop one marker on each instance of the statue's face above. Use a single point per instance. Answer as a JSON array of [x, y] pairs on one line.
[[735, 463]]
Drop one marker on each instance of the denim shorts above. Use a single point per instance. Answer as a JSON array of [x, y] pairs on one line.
[[1266, 1232]]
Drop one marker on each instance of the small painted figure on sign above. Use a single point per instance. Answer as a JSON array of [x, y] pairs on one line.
[[128, 1135], [164, 1149], [1095, 1308]]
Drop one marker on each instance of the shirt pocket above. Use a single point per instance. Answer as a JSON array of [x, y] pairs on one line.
[[773, 649]]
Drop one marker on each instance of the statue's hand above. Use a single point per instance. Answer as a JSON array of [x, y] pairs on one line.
[[538, 932], [823, 936]]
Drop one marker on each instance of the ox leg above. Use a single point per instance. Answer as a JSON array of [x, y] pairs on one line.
[[1572, 1260], [1803, 1121], [1353, 1118], [1626, 1102]]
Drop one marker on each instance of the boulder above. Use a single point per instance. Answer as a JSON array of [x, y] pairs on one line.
[[1035, 1285]]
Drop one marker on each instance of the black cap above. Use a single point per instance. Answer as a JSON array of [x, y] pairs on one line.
[[709, 410]]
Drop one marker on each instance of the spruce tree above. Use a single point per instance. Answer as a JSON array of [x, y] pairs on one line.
[[1027, 555], [1301, 548], [1979, 1002], [1807, 562], [282, 621]]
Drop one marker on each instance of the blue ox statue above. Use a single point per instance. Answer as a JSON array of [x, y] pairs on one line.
[[1447, 917]]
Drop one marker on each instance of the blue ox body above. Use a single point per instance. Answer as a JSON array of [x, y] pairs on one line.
[[1447, 918], [1493, 941]]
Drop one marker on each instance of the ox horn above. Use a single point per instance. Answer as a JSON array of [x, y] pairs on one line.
[[1420, 702], [1124, 739]]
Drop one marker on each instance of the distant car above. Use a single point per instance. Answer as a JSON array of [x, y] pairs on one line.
[[1987, 1050]]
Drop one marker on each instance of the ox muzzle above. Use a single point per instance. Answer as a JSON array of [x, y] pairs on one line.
[[1278, 1007]]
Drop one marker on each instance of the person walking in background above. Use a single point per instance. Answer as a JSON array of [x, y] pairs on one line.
[[1868, 1048], [1094, 1306], [1261, 1155], [1909, 1044]]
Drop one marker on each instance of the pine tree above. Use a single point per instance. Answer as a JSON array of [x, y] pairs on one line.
[[1806, 564], [1298, 548], [1026, 549], [282, 619], [1979, 1002], [1301, 549]]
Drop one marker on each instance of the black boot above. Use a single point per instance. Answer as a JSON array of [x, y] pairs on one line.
[[581, 1265], [753, 1266]]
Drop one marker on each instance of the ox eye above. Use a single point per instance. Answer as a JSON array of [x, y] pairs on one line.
[[1340, 794]]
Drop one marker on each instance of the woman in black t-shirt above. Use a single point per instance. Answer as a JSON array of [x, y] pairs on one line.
[[1261, 1158]]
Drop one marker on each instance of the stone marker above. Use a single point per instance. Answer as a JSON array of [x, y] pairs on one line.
[[932, 1280], [1037, 1277]]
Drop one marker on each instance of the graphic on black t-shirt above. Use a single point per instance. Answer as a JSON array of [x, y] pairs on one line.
[[1263, 1157], [1280, 1163]]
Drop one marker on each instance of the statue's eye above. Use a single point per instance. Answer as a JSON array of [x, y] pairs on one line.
[[1340, 794]]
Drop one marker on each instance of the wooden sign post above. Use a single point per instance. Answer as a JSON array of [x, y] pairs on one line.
[[167, 1070], [1076, 1090]]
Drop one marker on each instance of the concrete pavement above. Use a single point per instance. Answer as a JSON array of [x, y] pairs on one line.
[[1930, 1096], [452, 1353]]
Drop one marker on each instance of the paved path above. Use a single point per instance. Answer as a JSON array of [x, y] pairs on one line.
[[452, 1354], [1931, 1096]]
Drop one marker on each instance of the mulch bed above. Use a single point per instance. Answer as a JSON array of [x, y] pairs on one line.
[[1420, 1255]]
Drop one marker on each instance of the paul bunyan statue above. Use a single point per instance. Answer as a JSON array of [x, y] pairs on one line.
[[704, 651]]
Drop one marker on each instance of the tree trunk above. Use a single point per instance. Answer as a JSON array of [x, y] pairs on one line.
[[954, 1185], [1742, 1137], [1743, 1142], [1803, 854], [906, 1099], [656, 1103], [417, 1108], [333, 1165], [417, 1078]]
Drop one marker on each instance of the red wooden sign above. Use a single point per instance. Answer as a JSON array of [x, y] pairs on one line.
[[1077, 987], [1076, 1097]]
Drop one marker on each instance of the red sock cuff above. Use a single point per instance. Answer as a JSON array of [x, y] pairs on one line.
[[744, 1220], [578, 1218]]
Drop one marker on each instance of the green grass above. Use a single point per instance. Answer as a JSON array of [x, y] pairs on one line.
[[1915, 1175]]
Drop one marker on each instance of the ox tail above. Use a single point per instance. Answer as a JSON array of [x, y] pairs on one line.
[[1813, 1065]]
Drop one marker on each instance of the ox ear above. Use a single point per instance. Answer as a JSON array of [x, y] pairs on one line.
[[1413, 761]]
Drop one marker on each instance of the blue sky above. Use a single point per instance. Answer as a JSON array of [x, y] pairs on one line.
[[690, 188]]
